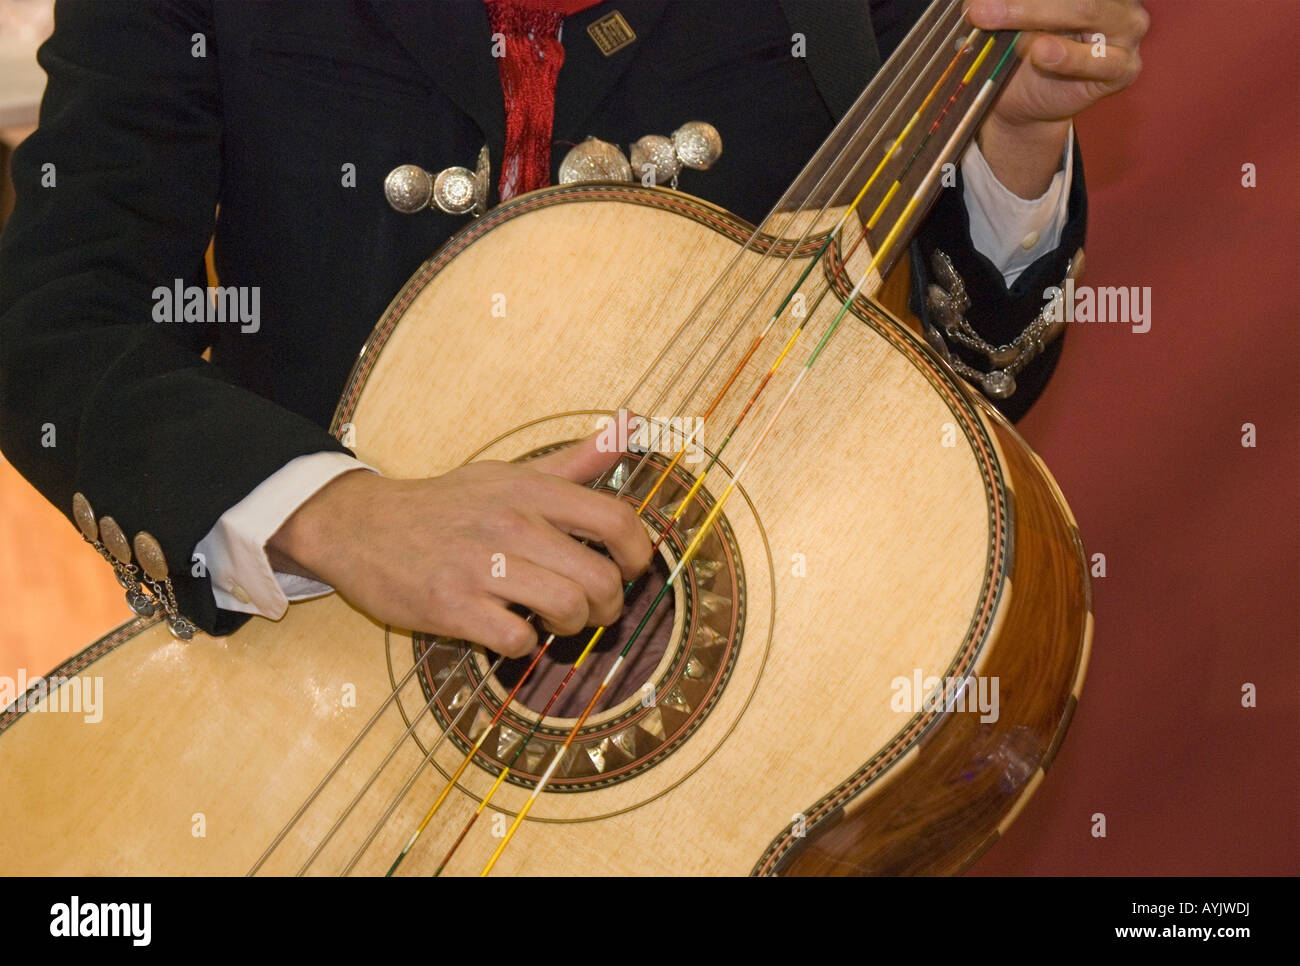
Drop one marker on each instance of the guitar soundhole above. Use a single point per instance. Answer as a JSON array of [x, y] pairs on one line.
[[671, 679], [643, 657]]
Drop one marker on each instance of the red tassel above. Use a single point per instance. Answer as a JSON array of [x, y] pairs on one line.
[[529, 71]]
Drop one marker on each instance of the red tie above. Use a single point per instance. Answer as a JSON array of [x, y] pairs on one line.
[[529, 70]]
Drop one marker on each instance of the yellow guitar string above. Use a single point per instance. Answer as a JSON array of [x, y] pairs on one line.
[[718, 506], [667, 471], [665, 474], [789, 345]]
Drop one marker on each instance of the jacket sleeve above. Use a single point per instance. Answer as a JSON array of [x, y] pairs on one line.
[[117, 194], [996, 313]]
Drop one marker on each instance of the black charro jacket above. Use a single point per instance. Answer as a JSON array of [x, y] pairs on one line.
[[146, 150]]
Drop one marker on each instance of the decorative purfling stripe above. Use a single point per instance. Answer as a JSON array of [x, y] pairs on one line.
[[991, 592], [82, 660]]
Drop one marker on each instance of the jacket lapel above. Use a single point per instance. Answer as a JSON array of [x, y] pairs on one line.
[[841, 48], [588, 75], [452, 41]]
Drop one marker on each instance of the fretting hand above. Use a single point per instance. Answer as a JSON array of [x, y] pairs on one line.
[[1066, 67]]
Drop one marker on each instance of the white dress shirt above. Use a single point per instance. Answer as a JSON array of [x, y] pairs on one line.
[[1011, 231]]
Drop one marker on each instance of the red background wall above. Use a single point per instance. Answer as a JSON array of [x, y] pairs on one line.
[[1144, 431]]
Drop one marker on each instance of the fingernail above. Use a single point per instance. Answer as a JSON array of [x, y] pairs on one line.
[[989, 12], [1051, 52]]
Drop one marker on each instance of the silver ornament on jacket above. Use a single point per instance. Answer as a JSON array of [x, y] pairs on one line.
[[594, 160], [698, 144], [456, 190], [654, 157]]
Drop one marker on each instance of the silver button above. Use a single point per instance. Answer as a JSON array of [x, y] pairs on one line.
[[115, 540], [658, 154], [85, 517], [150, 554], [455, 191], [698, 144], [594, 160], [408, 188]]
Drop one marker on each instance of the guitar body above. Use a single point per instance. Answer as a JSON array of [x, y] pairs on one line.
[[892, 528]]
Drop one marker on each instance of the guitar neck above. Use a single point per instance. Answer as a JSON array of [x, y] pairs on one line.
[[899, 144]]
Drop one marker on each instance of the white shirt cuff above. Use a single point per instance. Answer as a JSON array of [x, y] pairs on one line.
[[1011, 231], [234, 550]]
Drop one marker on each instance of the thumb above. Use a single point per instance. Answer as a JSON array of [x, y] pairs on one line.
[[586, 459]]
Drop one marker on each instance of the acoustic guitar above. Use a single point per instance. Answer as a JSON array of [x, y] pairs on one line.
[[857, 652]]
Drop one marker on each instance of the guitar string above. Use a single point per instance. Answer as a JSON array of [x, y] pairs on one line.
[[415, 720], [687, 499], [926, 38], [915, 202], [920, 47], [645, 502], [341, 759], [487, 729], [925, 35], [740, 368], [428, 756], [523, 743], [846, 219]]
